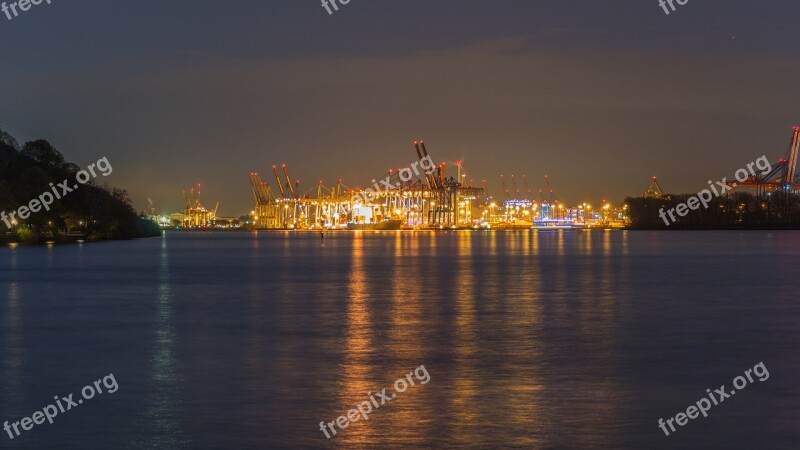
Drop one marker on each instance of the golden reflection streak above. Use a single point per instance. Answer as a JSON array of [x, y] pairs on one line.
[[534, 243], [524, 416], [561, 308], [406, 314], [356, 370], [464, 398], [598, 325], [493, 243], [586, 240], [406, 337]]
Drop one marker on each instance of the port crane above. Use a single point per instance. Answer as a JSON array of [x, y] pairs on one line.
[[194, 213], [278, 179], [550, 196], [289, 182], [430, 198], [783, 175], [527, 187], [505, 187], [654, 191], [516, 189]]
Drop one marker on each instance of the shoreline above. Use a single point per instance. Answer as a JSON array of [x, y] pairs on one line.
[[498, 230], [75, 240]]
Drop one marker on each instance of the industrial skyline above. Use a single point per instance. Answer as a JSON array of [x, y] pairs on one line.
[[399, 224], [599, 98]]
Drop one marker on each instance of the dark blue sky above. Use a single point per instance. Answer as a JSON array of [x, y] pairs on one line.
[[601, 95]]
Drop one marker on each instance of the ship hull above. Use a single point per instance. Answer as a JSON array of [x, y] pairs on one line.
[[379, 226]]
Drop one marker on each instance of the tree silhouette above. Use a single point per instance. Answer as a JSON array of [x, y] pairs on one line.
[[29, 172]]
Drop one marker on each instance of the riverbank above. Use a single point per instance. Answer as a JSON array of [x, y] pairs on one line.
[[144, 229]]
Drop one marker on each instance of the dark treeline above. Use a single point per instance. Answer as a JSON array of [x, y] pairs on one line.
[[90, 212], [739, 210]]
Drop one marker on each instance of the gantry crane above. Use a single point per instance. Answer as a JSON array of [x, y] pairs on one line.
[[194, 214], [550, 196], [278, 179], [289, 182], [505, 187], [514, 185], [527, 187], [654, 191]]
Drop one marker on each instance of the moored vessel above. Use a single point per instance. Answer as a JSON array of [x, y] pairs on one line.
[[383, 225]]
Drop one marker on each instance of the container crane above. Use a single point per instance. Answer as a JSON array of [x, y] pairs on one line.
[[505, 187], [527, 187], [260, 189], [654, 191], [516, 189], [422, 153], [550, 196], [278, 178], [289, 182]]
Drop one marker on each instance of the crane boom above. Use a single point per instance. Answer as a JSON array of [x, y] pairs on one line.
[[527, 187], [516, 189], [278, 178], [419, 152], [505, 187], [550, 196], [266, 190], [289, 182], [791, 157], [254, 185], [434, 177]]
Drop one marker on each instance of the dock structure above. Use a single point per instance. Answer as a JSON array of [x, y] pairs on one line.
[[418, 196], [783, 174], [421, 196], [194, 213]]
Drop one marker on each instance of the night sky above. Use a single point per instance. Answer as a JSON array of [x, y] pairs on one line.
[[600, 95]]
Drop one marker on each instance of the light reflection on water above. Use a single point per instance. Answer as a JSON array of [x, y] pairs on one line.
[[568, 339], [165, 387]]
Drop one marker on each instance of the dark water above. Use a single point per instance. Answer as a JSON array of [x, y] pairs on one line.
[[532, 340]]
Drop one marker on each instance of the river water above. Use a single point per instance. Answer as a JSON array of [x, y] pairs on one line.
[[550, 339]]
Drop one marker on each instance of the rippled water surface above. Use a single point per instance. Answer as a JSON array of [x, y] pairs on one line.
[[568, 339]]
